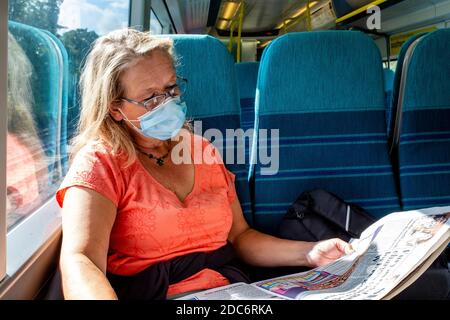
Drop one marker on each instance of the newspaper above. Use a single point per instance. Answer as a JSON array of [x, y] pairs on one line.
[[389, 256]]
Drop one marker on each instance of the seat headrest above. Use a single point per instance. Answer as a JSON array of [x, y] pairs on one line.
[[205, 62], [320, 71], [427, 85]]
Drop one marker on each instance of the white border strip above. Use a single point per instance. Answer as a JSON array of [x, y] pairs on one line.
[[30, 235]]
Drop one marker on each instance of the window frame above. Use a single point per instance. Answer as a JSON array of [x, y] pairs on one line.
[[3, 130], [153, 14], [32, 248], [25, 239]]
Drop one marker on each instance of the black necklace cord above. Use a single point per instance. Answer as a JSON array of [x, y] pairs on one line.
[[159, 160]]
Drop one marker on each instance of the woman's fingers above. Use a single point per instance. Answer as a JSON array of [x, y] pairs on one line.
[[343, 246]]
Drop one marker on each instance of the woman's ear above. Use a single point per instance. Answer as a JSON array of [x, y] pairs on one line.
[[114, 108]]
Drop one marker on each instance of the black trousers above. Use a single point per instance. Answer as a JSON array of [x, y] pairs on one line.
[[153, 282]]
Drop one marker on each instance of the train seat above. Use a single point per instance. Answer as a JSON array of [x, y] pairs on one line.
[[332, 123], [422, 135]]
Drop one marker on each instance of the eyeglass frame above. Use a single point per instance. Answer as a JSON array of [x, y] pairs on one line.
[[166, 95]]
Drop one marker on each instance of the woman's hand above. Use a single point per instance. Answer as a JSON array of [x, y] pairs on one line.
[[324, 252]]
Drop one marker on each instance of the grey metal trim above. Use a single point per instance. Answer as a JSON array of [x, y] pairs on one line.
[[401, 94], [3, 130], [146, 15], [137, 14], [130, 3]]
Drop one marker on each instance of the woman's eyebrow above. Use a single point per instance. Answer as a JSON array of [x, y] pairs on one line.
[[147, 92], [172, 82]]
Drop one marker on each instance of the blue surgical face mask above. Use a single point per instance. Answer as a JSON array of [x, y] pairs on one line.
[[164, 122]]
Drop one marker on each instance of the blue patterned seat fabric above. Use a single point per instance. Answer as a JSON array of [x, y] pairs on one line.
[[247, 74], [396, 84], [424, 136], [327, 99]]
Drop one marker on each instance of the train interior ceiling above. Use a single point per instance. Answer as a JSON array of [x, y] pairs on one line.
[[264, 21], [29, 248]]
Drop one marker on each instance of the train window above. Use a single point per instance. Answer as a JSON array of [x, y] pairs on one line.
[[155, 24], [32, 108], [47, 43]]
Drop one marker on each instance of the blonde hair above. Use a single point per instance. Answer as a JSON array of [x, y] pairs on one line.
[[100, 87]]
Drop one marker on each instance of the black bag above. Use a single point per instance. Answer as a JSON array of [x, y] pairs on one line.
[[319, 215]]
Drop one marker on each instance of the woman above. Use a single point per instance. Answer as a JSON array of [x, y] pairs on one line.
[[135, 218]]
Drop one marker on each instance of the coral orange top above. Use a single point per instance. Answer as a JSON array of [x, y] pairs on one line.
[[152, 225]]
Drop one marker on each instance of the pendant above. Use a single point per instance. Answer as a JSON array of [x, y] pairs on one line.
[[159, 162]]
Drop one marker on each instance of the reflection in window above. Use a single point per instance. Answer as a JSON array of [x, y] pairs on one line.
[[47, 43], [27, 164], [155, 25]]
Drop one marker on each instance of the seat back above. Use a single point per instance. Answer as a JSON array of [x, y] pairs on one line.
[[424, 125], [212, 96], [396, 86], [331, 119], [247, 74]]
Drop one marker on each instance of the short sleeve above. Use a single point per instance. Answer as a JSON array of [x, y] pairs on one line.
[[230, 178], [95, 168]]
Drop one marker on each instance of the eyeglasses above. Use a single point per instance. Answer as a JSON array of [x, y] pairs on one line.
[[177, 90]]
